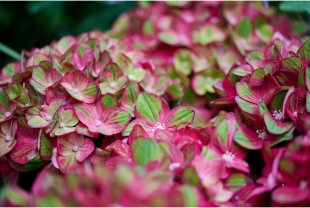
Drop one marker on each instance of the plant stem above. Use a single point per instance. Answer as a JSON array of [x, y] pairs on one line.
[[10, 52]]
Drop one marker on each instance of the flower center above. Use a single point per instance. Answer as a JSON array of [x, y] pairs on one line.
[[228, 156], [48, 118], [158, 126], [112, 84], [262, 134], [61, 125], [8, 138], [98, 123], [75, 148], [7, 114], [277, 115], [295, 114], [76, 91], [303, 184]]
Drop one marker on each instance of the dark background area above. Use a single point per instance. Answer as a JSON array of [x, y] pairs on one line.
[[25, 25]]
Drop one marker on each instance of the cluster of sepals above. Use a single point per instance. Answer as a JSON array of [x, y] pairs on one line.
[[57, 104]]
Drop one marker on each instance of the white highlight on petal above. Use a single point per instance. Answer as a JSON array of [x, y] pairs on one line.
[[295, 114], [228, 156], [131, 76], [54, 158], [277, 114], [173, 166], [303, 184], [262, 134], [158, 126]]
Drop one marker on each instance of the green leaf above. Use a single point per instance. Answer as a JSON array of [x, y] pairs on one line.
[[304, 52], [295, 6], [244, 28], [106, 101], [277, 127], [168, 37], [148, 106], [265, 32], [8, 51], [262, 108], [301, 80], [146, 150], [235, 181], [49, 201], [178, 115], [308, 102], [190, 196], [278, 99], [35, 163], [283, 137], [46, 147], [134, 74], [176, 91], [190, 176], [246, 106], [208, 34], [182, 61], [148, 27]]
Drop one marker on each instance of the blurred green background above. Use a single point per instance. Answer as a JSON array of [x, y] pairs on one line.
[[24, 25]]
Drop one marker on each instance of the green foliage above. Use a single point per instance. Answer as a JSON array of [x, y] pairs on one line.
[[295, 6]]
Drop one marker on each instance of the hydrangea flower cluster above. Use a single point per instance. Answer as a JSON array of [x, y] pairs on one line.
[[162, 110]]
